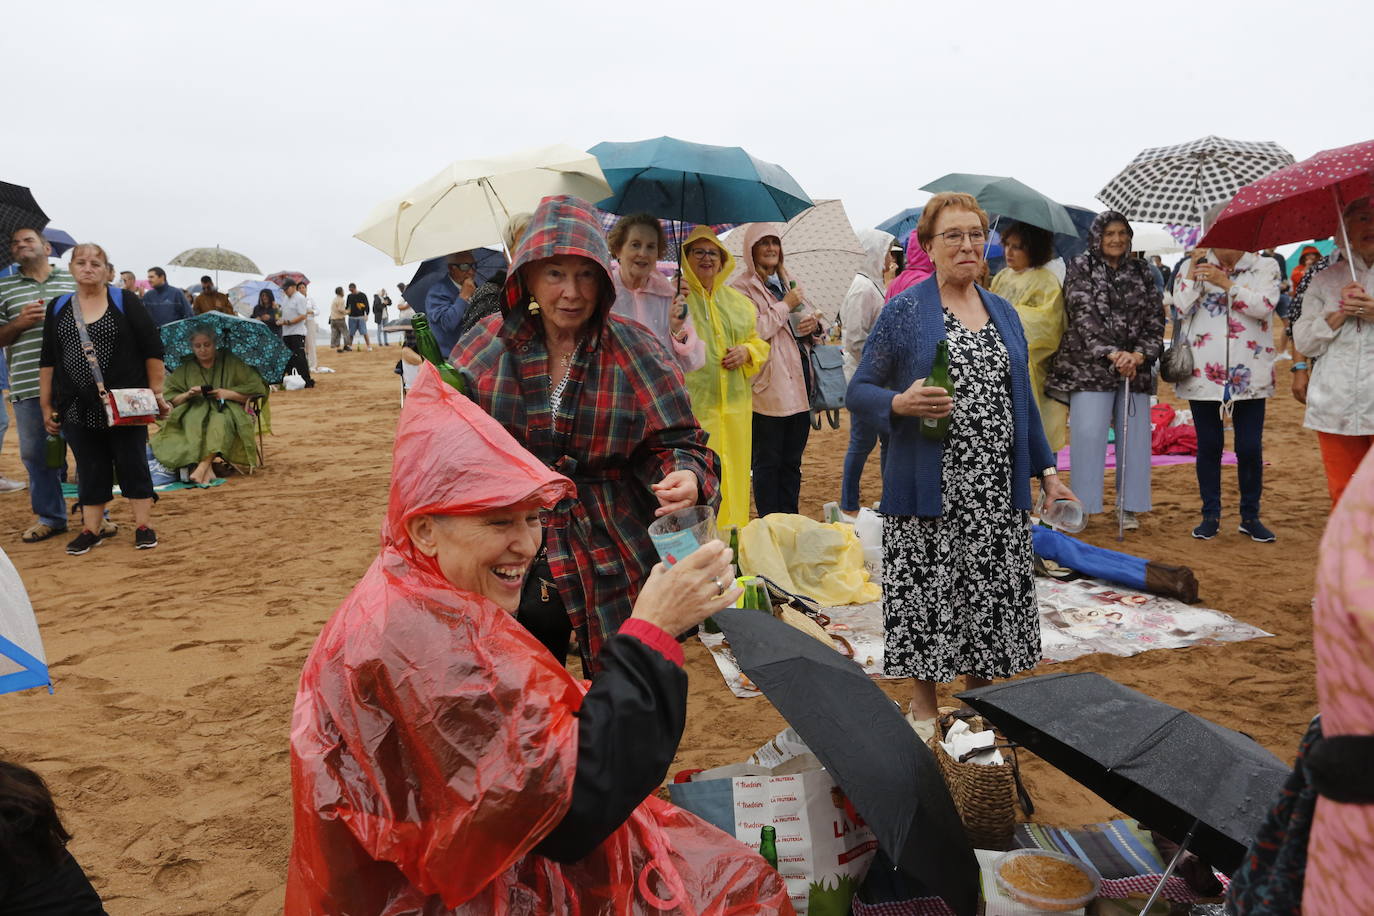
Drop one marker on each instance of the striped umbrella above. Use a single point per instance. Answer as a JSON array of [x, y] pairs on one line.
[[1178, 184]]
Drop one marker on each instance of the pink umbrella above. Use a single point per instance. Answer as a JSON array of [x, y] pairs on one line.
[[1299, 202]]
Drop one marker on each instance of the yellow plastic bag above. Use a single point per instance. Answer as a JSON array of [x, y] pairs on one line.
[[824, 562]]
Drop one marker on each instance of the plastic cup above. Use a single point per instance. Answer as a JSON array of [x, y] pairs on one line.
[[1065, 514], [677, 534]]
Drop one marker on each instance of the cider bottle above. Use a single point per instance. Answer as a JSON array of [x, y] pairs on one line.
[[428, 347], [768, 845], [937, 428]]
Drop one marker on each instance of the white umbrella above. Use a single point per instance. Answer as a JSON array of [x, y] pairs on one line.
[[469, 202], [821, 251], [1153, 240]]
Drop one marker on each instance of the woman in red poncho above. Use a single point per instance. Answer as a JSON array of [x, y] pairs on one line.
[[443, 762]]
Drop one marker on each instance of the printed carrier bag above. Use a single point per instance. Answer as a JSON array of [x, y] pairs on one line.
[[824, 847]]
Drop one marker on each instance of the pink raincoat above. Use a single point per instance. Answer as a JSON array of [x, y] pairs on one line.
[[918, 267], [650, 305]]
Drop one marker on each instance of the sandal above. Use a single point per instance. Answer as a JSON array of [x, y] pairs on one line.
[[41, 531]]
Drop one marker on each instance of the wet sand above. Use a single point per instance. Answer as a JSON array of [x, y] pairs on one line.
[[166, 741]]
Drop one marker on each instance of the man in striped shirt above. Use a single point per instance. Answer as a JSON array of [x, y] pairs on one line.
[[23, 297]]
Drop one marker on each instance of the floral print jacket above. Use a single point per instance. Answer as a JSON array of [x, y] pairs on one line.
[[1231, 331]]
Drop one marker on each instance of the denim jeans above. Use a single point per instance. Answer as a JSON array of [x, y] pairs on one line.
[[1247, 420], [862, 437], [45, 484]]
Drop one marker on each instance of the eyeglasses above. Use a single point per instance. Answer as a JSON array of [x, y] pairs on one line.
[[463, 265], [955, 237], [709, 253]]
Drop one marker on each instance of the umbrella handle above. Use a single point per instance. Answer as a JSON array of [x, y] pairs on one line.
[[1173, 863]]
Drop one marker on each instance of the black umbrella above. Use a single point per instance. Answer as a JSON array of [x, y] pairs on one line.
[[489, 261], [1177, 772], [858, 734], [18, 210]]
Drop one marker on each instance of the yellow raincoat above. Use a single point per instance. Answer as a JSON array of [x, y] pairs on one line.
[[1039, 301], [723, 399]]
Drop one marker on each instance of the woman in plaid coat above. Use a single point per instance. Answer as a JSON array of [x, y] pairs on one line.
[[597, 399]]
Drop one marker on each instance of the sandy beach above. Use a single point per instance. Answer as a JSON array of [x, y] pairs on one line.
[[166, 741]]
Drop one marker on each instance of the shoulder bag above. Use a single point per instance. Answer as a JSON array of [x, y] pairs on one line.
[[1176, 363], [123, 406]]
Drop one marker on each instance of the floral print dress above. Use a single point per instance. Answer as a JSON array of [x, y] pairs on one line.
[[1231, 331], [959, 591]]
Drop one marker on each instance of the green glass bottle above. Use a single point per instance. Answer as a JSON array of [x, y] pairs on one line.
[[734, 550], [768, 845], [756, 595], [55, 452], [428, 347], [932, 427]]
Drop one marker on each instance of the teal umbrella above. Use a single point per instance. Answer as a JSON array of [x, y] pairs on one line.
[[1325, 246], [697, 183], [1009, 199], [249, 340]]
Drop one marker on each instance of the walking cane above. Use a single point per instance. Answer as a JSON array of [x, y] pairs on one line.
[[1121, 459]]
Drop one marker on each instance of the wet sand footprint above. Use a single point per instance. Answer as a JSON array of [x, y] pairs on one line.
[[178, 877], [99, 781]]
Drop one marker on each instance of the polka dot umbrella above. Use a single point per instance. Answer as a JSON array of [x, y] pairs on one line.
[[1178, 184], [1300, 202]]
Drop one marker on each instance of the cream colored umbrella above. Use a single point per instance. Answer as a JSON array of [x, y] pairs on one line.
[[469, 202], [821, 251]]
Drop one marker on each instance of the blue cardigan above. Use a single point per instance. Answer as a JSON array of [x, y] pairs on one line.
[[901, 349]]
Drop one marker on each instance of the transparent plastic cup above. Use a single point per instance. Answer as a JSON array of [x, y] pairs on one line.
[[677, 534], [1064, 514]]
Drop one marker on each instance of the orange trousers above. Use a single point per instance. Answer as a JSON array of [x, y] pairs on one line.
[[1341, 455]]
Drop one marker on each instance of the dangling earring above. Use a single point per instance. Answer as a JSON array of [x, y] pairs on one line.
[[533, 307]]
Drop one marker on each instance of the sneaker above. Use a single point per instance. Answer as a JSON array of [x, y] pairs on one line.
[[145, 538], [83, 542], [1255, 528], [11, 486], [1129, 522], [1208, 529], [108, 529], [40, 531]]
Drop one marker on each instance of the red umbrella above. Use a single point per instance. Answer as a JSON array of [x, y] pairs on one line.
[[1299, 202], [281, 276]]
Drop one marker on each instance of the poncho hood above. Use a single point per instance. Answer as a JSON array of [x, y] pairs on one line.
[[876, 244], [918, 267], [1099, 229], [562, 225], [753, 234], [451, 458], [727, 266]]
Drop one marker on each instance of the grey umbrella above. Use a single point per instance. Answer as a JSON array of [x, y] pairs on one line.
[[1199, 784], [859, 735], [1178, 184], [215, 259]]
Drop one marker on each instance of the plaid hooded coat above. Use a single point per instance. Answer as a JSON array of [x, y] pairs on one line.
[[624, 422]]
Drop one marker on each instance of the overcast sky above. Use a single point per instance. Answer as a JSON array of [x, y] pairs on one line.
[[272, 128]]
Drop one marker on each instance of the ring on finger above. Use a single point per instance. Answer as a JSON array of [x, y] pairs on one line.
[[720, 586]]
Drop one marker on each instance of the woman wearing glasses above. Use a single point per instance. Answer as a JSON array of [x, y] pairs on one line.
[[722, 398], [958, 587], [1114, 336]]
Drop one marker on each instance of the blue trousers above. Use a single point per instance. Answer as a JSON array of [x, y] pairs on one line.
[[1090, 414], [45, 484], [862, 437], [1247, 420]]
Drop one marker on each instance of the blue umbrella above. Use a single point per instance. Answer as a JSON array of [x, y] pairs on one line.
[[901, 225], [245, 295], [59, 240], [249, 340], [697, 183], [489, 262]]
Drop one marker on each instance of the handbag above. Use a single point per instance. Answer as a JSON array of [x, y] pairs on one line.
[[829, 385], [123, 406], [1176, 363]]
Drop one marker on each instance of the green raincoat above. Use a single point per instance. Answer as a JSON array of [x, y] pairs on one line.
[[723, 399], [198, 428]]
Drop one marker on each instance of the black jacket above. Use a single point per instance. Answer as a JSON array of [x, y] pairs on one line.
[[139, 341]]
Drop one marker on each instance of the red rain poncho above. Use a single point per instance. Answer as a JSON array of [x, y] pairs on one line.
[[434, 741]]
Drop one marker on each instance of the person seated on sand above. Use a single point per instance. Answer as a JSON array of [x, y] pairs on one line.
[[208, 418], [442, 760], [37, 873]]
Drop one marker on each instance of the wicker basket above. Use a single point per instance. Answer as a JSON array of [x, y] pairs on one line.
[[984, 796]]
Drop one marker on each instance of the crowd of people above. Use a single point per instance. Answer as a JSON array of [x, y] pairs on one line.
[[601, 395]]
